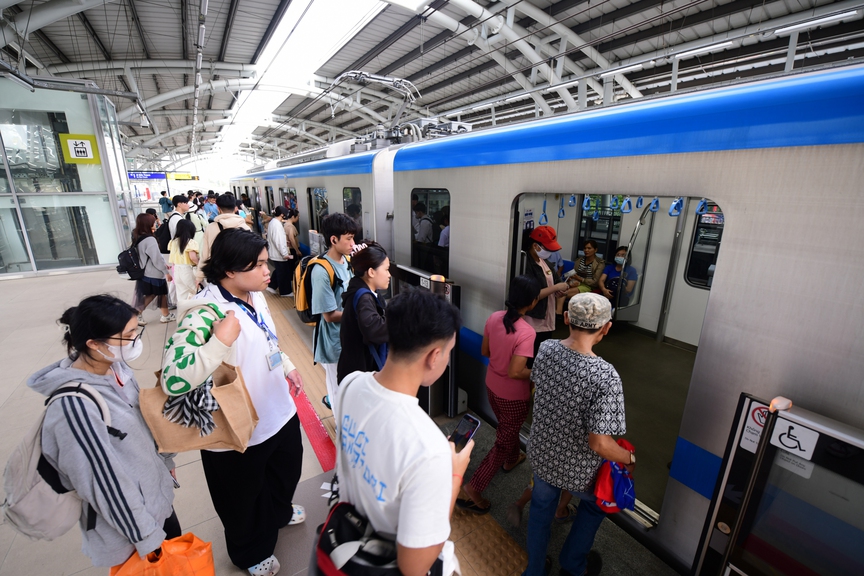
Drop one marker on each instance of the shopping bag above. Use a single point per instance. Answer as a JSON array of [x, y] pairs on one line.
[[235, 419], [186, 555]]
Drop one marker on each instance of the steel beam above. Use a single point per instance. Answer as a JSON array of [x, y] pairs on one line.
[[27, 22], [277, 16], [229, 23]]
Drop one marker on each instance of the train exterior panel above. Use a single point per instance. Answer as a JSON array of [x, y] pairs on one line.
[[783, 160]]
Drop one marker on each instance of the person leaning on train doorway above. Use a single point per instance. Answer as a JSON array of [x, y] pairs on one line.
[[539, 245], [227, 205], [567, 446]]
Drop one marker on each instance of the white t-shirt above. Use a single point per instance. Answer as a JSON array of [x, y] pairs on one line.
[[399, 468], [444, 240]]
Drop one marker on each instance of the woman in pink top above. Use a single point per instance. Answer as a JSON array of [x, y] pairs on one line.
[[508, 342]]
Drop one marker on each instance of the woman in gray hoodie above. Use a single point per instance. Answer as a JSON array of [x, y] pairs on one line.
[[126, 486]]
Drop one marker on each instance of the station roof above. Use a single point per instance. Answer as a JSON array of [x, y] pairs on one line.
[[476, 61]]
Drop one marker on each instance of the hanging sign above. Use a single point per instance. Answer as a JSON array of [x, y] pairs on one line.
[[79, 149], [181, 176], [146, 175]]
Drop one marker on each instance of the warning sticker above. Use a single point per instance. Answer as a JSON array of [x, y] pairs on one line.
[[794, 438], [794, 464], [754, 425]]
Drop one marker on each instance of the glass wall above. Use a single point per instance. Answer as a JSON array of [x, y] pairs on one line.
[[64, 193]]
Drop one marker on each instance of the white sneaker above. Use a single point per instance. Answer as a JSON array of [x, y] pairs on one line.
[[299, 515], [291, 295], [268, 567], [272, 291], [141, 321], [166, 319]]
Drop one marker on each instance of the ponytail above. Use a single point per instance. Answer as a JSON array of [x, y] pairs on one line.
[[524, 290]]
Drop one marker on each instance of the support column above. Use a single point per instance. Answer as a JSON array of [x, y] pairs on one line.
[[607, 90], [582, 94], [674, 85], [790, 53]]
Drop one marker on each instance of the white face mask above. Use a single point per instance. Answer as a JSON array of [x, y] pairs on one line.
[[125, 353], [544, 254]]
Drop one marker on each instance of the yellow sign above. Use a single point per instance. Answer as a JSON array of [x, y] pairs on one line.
[[79, 149], [180, 176]]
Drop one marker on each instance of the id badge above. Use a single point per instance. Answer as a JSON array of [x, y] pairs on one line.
[[274, 359]]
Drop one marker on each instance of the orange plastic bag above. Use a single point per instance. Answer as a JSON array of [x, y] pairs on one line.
[[186, 555]]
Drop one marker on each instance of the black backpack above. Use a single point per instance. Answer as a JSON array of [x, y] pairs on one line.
[[128, 263], [163, 234]]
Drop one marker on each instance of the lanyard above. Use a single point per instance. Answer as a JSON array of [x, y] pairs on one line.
[[259, 321]]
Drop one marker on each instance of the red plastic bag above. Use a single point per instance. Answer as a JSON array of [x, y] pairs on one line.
[[186, 555]]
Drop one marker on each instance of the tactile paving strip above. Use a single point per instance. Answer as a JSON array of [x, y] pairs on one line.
[[484, 548]]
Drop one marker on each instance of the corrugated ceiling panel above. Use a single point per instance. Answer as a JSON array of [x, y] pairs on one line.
[[250, 23]]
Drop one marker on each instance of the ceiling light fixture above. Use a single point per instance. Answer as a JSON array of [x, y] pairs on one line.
[[810, 24], [703, 50], [415, 6], [621, 70]]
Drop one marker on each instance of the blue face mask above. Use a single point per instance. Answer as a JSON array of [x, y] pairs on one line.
[[620, 260]]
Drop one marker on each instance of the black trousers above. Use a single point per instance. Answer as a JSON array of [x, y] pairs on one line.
[[282, 276], [252, 492], [172, 526]]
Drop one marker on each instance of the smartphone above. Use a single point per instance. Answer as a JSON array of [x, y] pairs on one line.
[[464, 431]]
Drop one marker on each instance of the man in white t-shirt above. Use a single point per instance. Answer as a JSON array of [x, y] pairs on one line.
[[395, 466]]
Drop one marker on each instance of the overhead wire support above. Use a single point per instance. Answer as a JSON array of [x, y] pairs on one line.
[[399, 85]]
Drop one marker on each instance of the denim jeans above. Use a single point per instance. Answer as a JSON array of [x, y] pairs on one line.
[[574, 554]]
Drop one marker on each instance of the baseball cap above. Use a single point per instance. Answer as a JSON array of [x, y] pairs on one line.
[[589, 310], [546, 236]]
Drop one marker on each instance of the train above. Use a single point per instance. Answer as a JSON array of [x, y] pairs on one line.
[[741, 206]]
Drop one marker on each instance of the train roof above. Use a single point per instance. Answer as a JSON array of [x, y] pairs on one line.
[[803, 110], [352, 164]]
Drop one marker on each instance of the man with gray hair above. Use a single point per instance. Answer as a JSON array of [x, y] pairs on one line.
[[578, 406]]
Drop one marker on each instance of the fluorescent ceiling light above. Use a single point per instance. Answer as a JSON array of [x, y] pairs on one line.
[[621, 70], [514, 98], [812, 23], [564, 85], [703, 50], [412, 5]]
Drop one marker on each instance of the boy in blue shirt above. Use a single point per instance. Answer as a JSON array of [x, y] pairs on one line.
[[338, 230], [166, 204]]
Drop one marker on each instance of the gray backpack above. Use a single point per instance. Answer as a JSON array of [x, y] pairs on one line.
[[33, 505]]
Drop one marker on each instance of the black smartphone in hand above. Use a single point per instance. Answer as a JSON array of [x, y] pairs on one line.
[[464, 431]]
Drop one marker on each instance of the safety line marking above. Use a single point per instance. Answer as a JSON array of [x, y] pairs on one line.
[[322, 445]]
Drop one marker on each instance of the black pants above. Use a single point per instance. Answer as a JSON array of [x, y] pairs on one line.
[[281, 277], [252, 492], [172, 526]]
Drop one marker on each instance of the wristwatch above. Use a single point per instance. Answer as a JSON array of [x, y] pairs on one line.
[[632, 458]]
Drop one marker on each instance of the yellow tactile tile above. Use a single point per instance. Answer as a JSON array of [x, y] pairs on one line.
[[492, 552]]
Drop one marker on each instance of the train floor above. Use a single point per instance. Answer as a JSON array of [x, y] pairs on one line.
[[30, 339]]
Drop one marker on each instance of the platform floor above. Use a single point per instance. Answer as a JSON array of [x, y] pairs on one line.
[[30, 339]]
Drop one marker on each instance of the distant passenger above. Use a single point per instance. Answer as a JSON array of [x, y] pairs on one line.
[[338, 231], [364, 328], [508, 342], [425, 224], [181, 207], [121, 478], [210, 208], [587, 271], [154, 284], [183, 255], [152, 212], [292, 235], [417, 473], [280, 254], [444, 240], [226, 219], [415, 222], [165, 203], [354, 212], [539, 245], [619, 279], [567, 446]]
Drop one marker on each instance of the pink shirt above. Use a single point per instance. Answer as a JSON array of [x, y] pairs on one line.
[[502, 347]]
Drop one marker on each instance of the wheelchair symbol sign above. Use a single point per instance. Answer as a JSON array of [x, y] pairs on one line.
[[794, 438]]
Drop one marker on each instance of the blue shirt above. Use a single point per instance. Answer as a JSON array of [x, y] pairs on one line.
[[166, 204], [211, 210], [327, 299]]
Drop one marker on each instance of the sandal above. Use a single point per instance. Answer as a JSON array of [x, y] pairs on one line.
[[299, 515], [519, 460], [268, 567], [472, 506]]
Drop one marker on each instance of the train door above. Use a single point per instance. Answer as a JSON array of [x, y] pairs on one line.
[[662, 293], [319, 206]]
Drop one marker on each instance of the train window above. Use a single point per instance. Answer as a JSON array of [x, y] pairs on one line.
[[271, 201], [289, 197], [704, 247], [318, 206], [430, 228], [352, 205]]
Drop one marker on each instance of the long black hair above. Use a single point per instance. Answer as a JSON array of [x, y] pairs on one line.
[[185, 231], [523, 291], [95, 318]]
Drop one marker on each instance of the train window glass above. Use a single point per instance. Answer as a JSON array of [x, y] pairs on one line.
[[269, 198], [318, 206], [352, 205], [704, 247], [430, 230]]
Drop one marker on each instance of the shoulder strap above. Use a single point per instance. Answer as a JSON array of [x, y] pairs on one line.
[[81, 390], [325, 263], [376, 355], [221, 228]]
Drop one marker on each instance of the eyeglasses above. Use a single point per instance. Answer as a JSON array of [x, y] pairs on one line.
[[138, 336]]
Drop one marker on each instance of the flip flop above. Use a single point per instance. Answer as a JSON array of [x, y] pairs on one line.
[[519, 461], [472, 506]]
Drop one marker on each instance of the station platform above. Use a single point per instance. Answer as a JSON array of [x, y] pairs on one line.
[[30, 338]]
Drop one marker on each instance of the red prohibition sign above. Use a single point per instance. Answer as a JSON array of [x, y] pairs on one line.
[[759, 415]]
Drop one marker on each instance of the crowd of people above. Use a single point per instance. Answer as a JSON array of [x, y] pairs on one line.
[[395, 466]]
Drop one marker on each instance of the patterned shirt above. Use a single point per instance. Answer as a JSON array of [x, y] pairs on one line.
[[576, 395]]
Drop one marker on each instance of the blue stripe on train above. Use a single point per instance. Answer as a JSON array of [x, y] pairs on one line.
[[806, 110], [471, 343], [695, 467], [353, 164]]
